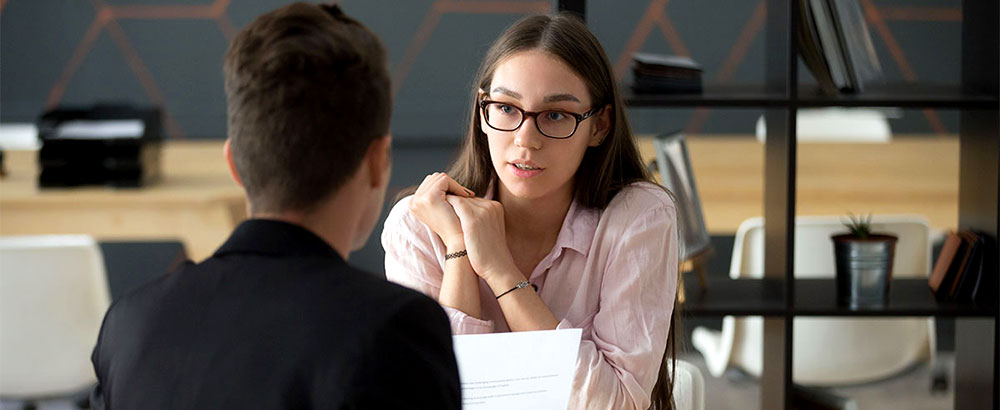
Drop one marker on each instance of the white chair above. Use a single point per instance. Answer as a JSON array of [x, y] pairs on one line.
[[53, 295], [826, 351], [689, 387]]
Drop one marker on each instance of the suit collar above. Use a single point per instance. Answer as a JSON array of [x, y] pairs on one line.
[[276, 238]]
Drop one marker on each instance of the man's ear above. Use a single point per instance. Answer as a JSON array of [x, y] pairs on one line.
[[227, 151], [379, 161], [602, 126]]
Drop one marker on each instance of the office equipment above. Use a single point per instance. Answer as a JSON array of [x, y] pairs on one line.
[[110, 145], [837, 125], [53, 295], [196, 201]]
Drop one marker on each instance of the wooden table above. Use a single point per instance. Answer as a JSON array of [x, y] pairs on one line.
[[910, 175], [196, 202]]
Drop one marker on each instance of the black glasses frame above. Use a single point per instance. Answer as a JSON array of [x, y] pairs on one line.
[[534, 114]]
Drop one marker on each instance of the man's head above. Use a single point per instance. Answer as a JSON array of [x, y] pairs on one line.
[[308, 109]]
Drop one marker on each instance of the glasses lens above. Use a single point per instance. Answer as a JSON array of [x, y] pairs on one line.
[[502, 116], [556, 124]]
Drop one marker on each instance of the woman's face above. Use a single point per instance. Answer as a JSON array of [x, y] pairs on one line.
[[531, 165]]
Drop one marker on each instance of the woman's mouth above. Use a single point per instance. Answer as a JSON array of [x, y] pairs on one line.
[[525, 170]]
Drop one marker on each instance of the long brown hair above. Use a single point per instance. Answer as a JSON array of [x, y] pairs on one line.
[[606, 168]]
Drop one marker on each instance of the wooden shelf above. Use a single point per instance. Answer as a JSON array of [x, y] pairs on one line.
[[743, 297], [907, 297], [901, 95], [815, 297]]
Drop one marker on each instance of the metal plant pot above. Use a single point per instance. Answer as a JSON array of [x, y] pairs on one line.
[[864, 269]]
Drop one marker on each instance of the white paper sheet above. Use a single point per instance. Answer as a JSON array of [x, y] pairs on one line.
[[520, 370]]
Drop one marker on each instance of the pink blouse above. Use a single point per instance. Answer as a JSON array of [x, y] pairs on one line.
[[612, 273]]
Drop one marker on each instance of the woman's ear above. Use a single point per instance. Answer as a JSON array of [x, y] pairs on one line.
[[602, 126]]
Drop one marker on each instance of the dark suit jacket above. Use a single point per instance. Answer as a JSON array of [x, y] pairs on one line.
[[274, 320]]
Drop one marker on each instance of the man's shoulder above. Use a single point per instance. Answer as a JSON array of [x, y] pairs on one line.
[[307, 286]]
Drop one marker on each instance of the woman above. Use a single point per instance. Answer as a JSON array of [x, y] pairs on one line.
[[569, 232]]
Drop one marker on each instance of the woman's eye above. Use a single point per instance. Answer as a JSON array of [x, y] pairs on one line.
[[555, 116], [506, 109]]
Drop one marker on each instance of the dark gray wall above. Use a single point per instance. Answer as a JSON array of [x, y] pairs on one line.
[[169, 52]]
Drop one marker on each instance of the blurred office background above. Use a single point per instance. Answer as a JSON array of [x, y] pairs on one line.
[[168, 53]]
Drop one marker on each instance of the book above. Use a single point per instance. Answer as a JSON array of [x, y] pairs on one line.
[[856, 41], [658, 73], [663, 60], [948, 251], [969, 241], [984, 290], [829, 40], [943, 293], [966, 283], [811, 50]]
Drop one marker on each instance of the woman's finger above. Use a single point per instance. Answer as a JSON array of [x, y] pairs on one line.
[[455, 188]]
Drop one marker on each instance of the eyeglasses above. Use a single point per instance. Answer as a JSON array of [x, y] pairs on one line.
[[556, 124]]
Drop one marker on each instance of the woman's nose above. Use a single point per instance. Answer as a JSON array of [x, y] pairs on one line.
[[528, 136]]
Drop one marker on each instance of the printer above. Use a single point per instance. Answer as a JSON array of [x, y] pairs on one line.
[[110, 145]]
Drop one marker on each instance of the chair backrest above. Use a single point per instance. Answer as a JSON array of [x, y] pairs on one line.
[[832, 351], [675, 172], [53, 296], [689, 387], [814, 257]]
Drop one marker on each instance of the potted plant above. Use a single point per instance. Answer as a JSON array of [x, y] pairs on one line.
[[863, 263]]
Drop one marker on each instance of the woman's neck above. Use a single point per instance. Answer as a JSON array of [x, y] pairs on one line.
[[536, 219]]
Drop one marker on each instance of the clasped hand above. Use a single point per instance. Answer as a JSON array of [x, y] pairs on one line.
[[461, 219]]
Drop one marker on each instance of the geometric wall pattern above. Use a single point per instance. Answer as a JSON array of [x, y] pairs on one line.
[[169, 53]]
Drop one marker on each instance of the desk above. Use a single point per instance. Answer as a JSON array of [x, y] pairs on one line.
[[196, 202], [916, 175]]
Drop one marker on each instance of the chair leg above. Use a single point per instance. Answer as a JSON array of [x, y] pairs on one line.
[[941, 358]]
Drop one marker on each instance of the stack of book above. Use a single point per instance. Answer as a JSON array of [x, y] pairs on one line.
[[961, 272], [665, 74], [836, 46]]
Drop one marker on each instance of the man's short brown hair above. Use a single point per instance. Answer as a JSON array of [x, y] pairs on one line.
[[307, 91]]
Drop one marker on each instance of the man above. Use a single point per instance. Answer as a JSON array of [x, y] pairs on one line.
[[276, 319]]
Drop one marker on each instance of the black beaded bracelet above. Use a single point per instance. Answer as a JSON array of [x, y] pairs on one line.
[[455, 255]]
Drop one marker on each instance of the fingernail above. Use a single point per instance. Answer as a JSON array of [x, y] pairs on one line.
[[470, 192]]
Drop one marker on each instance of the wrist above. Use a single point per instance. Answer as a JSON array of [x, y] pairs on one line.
[[454, 243], [503, 277]]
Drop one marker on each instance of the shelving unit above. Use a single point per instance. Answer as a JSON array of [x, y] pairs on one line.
[[779, 297]]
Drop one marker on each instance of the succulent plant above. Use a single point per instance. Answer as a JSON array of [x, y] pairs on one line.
[[859, 225]]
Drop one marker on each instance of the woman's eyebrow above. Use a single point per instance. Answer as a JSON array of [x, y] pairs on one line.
[[561, 97], [548, 99], [505, 91]]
